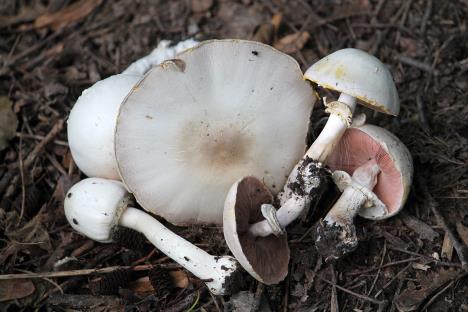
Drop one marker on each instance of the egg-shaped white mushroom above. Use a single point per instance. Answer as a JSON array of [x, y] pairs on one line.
[[91, 125], [92, 120], [193, 126]]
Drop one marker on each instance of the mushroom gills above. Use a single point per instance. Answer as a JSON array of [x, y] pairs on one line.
[[196, 124]]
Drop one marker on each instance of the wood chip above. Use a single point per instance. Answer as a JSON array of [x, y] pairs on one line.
[[462, 232], [70, 14], [420, 266], [15, 289], [447, 247], [199, 6]]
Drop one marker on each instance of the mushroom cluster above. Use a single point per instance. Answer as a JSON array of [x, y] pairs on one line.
[[210, 133], [92, 120]]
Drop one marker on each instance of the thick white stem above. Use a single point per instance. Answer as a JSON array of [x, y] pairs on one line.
[[203, 265], [331, 133], [293, 205], [349, 203]]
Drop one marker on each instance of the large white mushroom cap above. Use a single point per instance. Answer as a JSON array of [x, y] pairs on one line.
[[359, 74], [193, 126]]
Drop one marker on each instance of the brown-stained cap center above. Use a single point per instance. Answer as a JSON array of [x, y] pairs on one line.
[[269, 256], [220, 147]]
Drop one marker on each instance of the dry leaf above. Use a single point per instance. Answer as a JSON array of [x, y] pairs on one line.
[[179, 278], [15, 289], [264, 33], [292, 43], [142, 286], [267, 32], [463, 232], [8, 122], [199, 6], [71, 13]]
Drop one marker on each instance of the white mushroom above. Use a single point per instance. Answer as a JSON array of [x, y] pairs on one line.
[[358, 76], [382, 170], [265, 258], [194, 125], [92, 119], [95, 206]]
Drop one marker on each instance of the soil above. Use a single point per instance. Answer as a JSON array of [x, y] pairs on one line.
[[50, 51]]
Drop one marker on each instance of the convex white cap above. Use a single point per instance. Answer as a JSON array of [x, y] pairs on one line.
[[359, 74], [93, 207]]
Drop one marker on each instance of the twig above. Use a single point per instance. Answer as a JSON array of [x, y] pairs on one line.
[[23, 186], [48, 138], [428, 258], [215, 302], [384, 266], [427, 14], [111, 269], [422, 114], [460, 276], [39, 138], [334, 298], [363, 297], [392, 280], [4, 181], [15, 60], [460, 248], [415, 63], [384, 252]]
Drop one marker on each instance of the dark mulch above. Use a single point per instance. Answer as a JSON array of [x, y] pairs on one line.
[[45, 63]]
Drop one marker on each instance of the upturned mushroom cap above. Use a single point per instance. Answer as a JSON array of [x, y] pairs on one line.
[[265, 258], [358, 145], [91, 125], [222, 110], [93, 207], [360, 75]]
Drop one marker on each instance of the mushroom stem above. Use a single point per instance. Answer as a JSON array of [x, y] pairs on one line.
[[334, 129], [199, 262], [352, 199], [336, 234], [305, 172], [94, 206], [161, 53]]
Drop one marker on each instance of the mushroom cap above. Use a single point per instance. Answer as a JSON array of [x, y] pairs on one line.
[[359, 74], [357, 146], [93, 207], [91, 125], [265, 258], [192, 126]]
